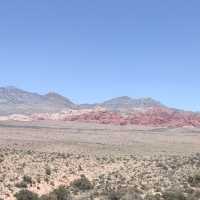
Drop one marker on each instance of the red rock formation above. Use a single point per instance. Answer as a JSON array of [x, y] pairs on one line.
[[152, 117]]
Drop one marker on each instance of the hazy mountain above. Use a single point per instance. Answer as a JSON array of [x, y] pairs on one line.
[[88, 106], [14, 100], [127, 103], [58, 99], [141, 111]]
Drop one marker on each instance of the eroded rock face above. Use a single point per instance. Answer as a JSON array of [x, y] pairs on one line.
[[153, 117], [20, 105], [156, 116], [150, 117]]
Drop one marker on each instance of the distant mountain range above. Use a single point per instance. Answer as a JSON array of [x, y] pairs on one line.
[[14, 101], [20, 105], [17, 101], [126, 103]]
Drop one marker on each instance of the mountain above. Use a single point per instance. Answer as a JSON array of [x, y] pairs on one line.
[[58, 99], [88, 106], [17, 101], [126, 103], [155, 116], [123, 110]]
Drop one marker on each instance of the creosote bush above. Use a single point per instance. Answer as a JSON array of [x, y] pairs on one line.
[[123, 195], [113, 195], [194, 180], [21, 184], [24, 183], [27, 179], [48, 171], [61, 193], [26, 195], [58, 194], [174, 195], [82, 183], [152, 197]]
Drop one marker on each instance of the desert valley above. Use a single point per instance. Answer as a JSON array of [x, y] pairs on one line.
[[123, 148]]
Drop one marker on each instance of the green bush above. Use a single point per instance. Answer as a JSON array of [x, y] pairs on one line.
[[48, 171], [130, 195], [27, 179], [194, 196], [24, 183], [113, 195], [123, 195], [152, 197], [174, 195], [50, 196], [26, 195], [21, 184], [58, 194], [82, 183], [194, 180]]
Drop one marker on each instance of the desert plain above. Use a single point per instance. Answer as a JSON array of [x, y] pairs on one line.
[[113, 162]]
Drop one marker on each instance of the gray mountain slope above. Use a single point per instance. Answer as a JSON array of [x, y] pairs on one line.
[[14, 100], [125, 103], [17, 101], [128, 103]]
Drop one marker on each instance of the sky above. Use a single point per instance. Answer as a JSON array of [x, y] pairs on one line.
[[93, 50]]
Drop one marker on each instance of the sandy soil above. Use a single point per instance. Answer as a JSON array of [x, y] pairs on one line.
[[124, 156], [93, 139]]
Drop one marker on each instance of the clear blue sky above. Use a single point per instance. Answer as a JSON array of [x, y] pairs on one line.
[[91, 50]]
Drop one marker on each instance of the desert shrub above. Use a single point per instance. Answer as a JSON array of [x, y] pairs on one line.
[[21, 184], [58, 194], [152, 197], [27, 179], [46, 179], [174, 195], [24, 183], [130, 196], [82, 183], [50, 196], [123, 195], [194, 196], [26, 195], [38, 179], [61, 193], [114, 195], [194, 180], [48, 171]]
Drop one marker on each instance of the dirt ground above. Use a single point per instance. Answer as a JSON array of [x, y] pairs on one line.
[[150, 160], [94, 139]]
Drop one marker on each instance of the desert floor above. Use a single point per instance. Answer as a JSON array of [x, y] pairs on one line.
[[144, 162]]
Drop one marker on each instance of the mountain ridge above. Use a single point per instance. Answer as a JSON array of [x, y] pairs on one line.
[[21, 101], [125, 102], [17, 104], [17, 101]]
